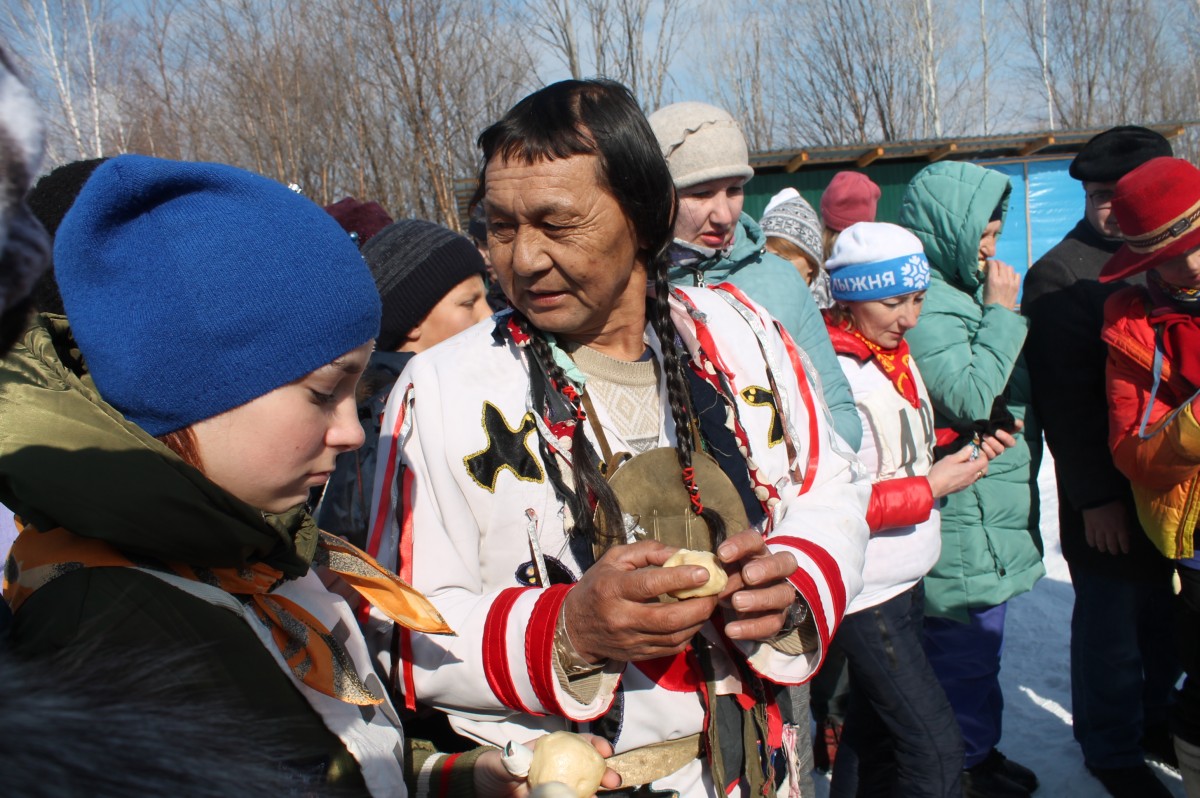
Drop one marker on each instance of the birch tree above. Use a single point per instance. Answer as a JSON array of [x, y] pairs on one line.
[[631, 41], [64, 38]]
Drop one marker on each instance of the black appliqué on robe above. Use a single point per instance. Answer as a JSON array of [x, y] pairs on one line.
[[506, 448]]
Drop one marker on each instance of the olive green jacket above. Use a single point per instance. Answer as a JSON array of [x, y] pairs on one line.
[[69, 459]]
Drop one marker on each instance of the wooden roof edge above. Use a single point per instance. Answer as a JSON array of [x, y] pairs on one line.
[[869, 157], [946, 149], [1022, 144]]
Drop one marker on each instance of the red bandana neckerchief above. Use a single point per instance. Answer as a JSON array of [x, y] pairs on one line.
[[896, 364]]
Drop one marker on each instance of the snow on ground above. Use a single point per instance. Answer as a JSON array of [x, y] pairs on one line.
[[1035, 675]]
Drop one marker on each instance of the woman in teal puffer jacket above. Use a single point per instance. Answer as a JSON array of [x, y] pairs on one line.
[[968, 347]]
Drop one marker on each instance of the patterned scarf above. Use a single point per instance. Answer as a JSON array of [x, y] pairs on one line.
[[311, 651], [1176, 312], [896, 364]]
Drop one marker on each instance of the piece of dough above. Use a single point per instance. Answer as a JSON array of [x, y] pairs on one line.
[[717, 578], [568, 758]]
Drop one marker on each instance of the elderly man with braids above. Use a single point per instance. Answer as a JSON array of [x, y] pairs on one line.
[[548, 462]]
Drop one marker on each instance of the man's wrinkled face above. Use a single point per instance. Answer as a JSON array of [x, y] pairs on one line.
[[564, 251]]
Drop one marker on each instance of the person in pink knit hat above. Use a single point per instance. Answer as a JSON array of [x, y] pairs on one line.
[[850, 197]]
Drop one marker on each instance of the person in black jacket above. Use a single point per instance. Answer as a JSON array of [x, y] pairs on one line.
[[430, 280], [1122, 663]]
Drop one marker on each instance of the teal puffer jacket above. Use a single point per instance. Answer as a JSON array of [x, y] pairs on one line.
[[970, 354], [775, 284]]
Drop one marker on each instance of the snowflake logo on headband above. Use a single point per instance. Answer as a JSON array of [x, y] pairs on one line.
[[914, 273]]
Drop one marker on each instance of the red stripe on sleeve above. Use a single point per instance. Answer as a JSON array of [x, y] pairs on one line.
[[539, 645], [405, 568], [808, 588], [496, 666], [830, 571], [385, 487], [900, 501]]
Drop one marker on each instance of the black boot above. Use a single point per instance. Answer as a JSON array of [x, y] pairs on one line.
[[982, 782], [1131, 782], [1160, 746], [1014, 771]]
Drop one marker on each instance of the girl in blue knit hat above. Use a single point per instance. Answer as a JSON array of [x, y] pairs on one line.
[[158, 449]]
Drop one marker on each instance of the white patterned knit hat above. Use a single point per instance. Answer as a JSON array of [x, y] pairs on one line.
[[794, 220], [876, 260]]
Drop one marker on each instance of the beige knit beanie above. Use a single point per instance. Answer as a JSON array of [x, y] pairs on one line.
[[700, 142]]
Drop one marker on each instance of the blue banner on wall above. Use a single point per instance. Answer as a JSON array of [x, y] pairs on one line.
[[1046, 203]]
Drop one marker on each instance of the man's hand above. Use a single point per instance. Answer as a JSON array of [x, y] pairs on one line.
[[614, 611], [1002, 285], [758, 589], [1106, 528]]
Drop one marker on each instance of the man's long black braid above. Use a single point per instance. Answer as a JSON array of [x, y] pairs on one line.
[[588, 479], [679, 396]]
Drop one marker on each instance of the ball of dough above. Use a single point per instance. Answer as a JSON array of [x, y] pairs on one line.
[[717, 578], [567, 758]]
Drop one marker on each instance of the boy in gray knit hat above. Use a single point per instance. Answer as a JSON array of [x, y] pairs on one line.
[[431, 282], [793, 232]]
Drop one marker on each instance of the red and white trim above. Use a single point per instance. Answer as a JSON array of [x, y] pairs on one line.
[[496, 664], [828, 606], [539, 647], [433, 780], [385, 488]]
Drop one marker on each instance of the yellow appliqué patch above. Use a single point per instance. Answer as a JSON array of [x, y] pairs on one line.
[[765, 397]]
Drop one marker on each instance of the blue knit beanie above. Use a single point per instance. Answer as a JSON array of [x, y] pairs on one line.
[[193, 288]]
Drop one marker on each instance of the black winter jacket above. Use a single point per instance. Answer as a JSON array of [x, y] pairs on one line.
[[1064, 302]]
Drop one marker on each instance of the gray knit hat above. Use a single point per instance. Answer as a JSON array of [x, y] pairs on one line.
[[700, 142], [795, 220], [416, 263]]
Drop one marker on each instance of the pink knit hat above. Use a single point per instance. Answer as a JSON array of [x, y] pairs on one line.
[[850, 197]]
